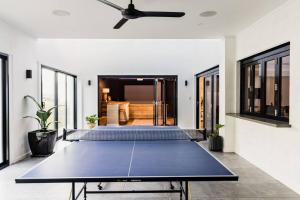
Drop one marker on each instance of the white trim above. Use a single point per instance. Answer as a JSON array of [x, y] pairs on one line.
[[132, 151], [126, 177]]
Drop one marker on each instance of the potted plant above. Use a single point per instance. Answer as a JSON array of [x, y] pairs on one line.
[[215, 140], [42, 141], [91, 121]]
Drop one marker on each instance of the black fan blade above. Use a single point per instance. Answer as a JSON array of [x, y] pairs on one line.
[[162, 14], [111, 4], [120, 23]]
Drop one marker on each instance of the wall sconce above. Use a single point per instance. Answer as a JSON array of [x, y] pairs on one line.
[[89, 82], [28, 74], [186, 83]]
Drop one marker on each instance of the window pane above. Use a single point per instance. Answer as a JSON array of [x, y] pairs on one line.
[[247, 89], [270, 87], [285, 86], [70, 102], [1, 118], [61, 86], [257, 86], [48, 88]]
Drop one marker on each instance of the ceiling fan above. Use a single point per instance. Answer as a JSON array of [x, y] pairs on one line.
[[132, 13]]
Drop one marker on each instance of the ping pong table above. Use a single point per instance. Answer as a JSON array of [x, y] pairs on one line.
[[135, 154]]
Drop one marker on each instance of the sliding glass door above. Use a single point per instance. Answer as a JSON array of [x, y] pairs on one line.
[[207, 106], [48, 92], [3, 111], [1, 119], [59, 89], [165, 97], [208, 102]]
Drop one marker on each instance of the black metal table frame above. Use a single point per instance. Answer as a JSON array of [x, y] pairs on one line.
[[183, 190]]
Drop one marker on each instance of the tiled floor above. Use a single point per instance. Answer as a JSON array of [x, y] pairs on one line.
[[253, 185]]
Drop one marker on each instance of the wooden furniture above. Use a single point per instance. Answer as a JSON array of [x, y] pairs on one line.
[[113, 114], [123, 111], [103, 108], [129, 110], [144, 110]]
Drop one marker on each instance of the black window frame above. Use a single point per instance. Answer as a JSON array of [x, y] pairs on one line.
[[276, 53], [56, 71], [5, 110]]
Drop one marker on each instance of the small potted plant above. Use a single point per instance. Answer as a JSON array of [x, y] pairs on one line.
[[92, 121], [215, 140], [41, 141]]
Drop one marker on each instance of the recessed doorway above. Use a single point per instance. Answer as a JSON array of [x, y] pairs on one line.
[[137, 100]]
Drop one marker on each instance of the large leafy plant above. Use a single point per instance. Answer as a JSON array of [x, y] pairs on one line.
[[42, 115], [216, 132]]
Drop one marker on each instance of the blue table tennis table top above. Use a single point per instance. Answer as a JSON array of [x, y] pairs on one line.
[[162, 160]]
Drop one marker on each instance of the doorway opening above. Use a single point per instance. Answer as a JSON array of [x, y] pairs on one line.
[[207, 103], [137, 100]]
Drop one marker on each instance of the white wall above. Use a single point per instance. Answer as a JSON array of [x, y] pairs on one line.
[[89, 58], [275, 150], [227, 94], [21, 49]]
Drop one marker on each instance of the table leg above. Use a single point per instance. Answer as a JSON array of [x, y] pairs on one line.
[[171, 186], [84, 191], [99, 186], [181, 188], [186, 190], [73, 191]]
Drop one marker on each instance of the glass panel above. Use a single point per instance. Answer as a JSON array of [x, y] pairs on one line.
[[102, 100], [70, 102], [216, 100], [208, 104], [247, 89], [61, 85], [170, 87], [285, 86], [270, 87], [159, 103], [257, 86], [201, 101], [48, 89], [1, 118]]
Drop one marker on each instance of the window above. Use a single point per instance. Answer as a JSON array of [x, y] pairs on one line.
[[265, 84], [59, 89], [3, 111]]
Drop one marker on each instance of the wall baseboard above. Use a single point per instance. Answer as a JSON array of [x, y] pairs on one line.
[[19, 158]]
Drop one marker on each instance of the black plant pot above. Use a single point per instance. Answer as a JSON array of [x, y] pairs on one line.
[[42, 142], [216, 143]]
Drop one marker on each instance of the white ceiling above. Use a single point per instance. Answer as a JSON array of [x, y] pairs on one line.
[[92, 19]]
